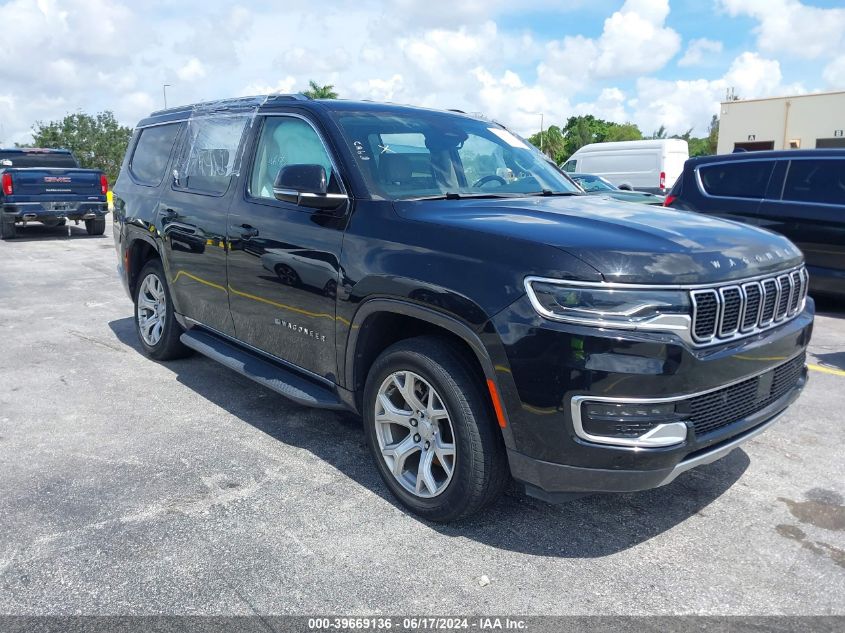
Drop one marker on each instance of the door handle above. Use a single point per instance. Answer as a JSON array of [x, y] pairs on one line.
[[248, 231]]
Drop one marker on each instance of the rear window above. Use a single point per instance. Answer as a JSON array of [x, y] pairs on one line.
[[152, 153], [747, 179], [35, 158], [815, 181]]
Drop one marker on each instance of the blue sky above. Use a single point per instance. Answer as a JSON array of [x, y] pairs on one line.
[[652, 62]]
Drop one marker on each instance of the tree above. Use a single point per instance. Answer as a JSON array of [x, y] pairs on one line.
[[320, 92], [713, 134], [660, 133], [98, 142], [551, 143], [623, 132]]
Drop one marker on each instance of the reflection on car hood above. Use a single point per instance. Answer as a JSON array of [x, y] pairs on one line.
[[625, 242]]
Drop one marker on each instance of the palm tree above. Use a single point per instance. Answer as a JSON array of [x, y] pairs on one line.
[[320, 92]]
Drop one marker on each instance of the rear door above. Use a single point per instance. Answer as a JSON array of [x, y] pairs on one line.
[[192, 217], [809, 209], [284, 259], [733, 189]]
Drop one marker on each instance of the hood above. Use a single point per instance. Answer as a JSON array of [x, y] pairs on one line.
[[625, 242]]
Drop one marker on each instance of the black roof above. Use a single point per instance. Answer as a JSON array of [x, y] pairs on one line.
[[769, 154], [263, 102]]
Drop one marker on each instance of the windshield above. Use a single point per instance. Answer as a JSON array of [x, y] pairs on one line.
[[418, 154], [593, 183]]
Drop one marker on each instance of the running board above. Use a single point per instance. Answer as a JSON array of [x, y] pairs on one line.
[[266, 373]]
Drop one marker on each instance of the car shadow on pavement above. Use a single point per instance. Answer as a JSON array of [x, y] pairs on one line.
[[830, 306], [40, 233], [589, 527], [833, 360]]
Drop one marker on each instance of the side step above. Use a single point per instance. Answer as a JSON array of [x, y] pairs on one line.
[[283, 381]]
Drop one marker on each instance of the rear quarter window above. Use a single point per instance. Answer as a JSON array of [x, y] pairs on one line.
[[815, 181], [746, 179], [152, 153]]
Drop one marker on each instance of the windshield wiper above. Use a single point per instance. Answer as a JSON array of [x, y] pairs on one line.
[[549, 192], [451, 195]]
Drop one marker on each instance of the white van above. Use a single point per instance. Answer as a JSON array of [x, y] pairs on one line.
[[642, 165]]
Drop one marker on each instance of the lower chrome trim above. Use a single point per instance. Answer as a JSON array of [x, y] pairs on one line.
[[631, 443], [719, 452]]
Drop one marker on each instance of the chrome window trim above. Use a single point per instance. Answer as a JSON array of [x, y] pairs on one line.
[[700, 183], [577, 401], [254, 152]]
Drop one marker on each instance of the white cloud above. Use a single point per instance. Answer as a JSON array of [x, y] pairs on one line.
[[634, 41], [62, 56], [192, 70], [698, 50], [834, 73], [789, 26]]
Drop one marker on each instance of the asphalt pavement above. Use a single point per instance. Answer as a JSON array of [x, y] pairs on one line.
[[129, 486]]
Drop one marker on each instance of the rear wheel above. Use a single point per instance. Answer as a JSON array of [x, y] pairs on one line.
[[96, 226], [8, 230], [155, 319], [431, 431]]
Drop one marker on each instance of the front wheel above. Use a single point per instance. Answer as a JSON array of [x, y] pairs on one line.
[[431, 431], [155, 318], [96, 226]]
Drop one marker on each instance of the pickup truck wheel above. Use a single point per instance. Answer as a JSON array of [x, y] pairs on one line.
[[8, 230], [96, 226], [155, 321], [431, 432]]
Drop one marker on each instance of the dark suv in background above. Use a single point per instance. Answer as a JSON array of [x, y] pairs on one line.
[[798, 193], [434, 273]]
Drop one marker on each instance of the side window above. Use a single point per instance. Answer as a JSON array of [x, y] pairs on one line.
[[569, 166], [815, 181], [152, 153], [210, 153], [287, 141], [747, 179]]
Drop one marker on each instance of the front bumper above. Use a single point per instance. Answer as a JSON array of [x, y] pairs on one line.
[[55, 210], [544, 367], [559, 482]]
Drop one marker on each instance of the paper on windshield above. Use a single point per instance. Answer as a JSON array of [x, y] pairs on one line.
[[508, 138]]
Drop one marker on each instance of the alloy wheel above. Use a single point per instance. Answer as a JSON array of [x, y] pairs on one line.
[[415, 434]]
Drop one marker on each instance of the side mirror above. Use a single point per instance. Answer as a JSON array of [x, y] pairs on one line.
[[306, 186]]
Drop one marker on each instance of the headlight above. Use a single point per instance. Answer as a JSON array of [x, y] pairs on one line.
[[610, 306]]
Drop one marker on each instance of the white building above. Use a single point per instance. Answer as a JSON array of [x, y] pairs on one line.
[[799, 122]]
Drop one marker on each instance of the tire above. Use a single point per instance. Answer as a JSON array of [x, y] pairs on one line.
[[96, 226], [479, 470], [8, 230], [159, 343]]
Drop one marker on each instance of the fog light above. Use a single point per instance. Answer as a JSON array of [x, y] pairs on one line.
[[631, 424]]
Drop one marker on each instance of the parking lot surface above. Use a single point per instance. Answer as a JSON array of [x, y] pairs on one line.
[[133, 487]]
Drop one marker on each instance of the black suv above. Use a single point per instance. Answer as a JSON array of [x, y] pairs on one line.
[[798, 193], [434, 273]]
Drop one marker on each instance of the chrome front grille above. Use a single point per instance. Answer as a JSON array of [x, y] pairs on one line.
[[727, 312]]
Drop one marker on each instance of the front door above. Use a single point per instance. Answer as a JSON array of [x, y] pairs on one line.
[[283, 262], [192, 219]]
